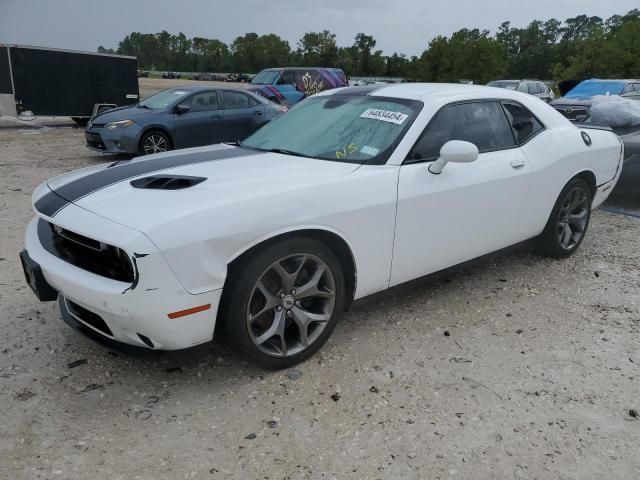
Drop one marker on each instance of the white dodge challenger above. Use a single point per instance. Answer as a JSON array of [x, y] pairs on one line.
[[351, 192]]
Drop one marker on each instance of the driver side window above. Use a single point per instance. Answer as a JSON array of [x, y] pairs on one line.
[[482, 123]]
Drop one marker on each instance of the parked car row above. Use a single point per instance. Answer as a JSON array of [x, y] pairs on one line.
[[222, 77], [532, 87], [189, 116]]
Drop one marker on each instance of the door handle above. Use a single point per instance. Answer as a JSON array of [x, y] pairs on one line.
[[217, 116], [257, 113], [519, 163]]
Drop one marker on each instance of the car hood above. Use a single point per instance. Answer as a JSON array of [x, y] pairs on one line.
[[233, 175], [572, 102], [122, 113]]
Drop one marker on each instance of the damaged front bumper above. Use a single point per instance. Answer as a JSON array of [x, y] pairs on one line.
[[151, 311]]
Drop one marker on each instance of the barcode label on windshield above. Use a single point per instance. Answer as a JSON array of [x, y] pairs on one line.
[[385, 116]]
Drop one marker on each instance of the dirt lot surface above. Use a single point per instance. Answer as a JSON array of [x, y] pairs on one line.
[[517, 368], [149, 86]]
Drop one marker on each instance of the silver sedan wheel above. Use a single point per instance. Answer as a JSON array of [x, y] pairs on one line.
[[573, 218], [291, 304], [155, 143]]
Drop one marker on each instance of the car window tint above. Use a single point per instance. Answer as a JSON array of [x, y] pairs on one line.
[[203, 101], [636, 87], [287, 78], [481, 123], [533, 88], [235, 100], [523, 122], [523, 87]]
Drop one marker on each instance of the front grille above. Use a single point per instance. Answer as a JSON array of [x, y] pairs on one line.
[[88, 317], [94, 140], [86, 253], [574, 113]]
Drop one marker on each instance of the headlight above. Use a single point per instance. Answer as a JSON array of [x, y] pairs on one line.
[[119, 124]]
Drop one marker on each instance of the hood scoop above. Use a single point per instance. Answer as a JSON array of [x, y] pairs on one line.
[[166, 182]]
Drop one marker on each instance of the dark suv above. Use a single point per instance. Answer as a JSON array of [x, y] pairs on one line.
[[576, 102], [533, 87]]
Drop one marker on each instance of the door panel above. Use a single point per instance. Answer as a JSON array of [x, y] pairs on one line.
[[467, 211], [194, 129], [201, 125], [243, 115]]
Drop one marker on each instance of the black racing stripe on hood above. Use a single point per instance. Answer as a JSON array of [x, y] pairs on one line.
[[54, 201]]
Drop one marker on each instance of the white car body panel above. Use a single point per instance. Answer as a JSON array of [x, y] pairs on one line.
[[399, 221]]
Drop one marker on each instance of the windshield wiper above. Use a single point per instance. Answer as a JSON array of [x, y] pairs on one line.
[[284, 151], [143, 106]]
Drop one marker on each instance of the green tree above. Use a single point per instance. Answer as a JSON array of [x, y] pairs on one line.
[[318, 48]]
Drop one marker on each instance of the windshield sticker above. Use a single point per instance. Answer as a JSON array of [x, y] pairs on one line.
[[348, 150], [385, 116], [371, 151], [179, 92]]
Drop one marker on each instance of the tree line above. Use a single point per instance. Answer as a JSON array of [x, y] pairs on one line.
[[580, 47]]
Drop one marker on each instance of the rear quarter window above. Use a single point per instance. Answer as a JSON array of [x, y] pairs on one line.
[[524, 124]]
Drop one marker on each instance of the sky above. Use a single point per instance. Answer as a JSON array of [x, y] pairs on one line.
[[403, 26]]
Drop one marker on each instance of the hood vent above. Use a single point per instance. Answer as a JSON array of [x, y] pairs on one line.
[[166, 182]]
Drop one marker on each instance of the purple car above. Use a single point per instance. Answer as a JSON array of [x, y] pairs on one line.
[[287, 86]]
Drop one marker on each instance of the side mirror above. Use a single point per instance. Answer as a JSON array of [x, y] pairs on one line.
[[455, 151], [180, 109]]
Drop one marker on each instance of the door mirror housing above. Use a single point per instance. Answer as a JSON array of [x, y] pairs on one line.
[[455, 151], [180, 109]]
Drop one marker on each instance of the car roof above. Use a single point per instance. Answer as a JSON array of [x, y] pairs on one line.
[[198, 88], [607, 80], [423, 91], [279, 69]]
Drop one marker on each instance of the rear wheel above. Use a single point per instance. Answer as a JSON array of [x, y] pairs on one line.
[[569, 220], [154, 142], [283, 303]]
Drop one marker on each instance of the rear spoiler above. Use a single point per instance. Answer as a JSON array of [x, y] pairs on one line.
[[593, 126]]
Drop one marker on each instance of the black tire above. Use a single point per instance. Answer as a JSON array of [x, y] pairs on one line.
[[552, 240], [80, 120], [155, 135], [242, 287]]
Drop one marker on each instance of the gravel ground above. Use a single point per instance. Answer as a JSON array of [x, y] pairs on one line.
[[516, 368]]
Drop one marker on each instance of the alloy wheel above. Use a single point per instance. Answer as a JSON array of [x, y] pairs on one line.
[[291, 304], [155, 143], [573, 218]]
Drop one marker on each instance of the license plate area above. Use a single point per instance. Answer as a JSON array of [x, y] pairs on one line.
[[35, 279]]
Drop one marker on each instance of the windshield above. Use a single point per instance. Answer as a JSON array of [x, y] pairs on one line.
[[347, 128], [163, 99], [504, 84], [266, 77], [592, 88]]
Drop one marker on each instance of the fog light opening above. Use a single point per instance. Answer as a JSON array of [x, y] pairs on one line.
[[146, 340]]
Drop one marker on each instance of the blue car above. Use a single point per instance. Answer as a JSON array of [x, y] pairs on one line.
[[181, 117]]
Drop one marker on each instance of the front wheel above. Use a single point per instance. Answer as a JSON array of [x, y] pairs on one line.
[[569, 220], [283, 303], [154, 142]]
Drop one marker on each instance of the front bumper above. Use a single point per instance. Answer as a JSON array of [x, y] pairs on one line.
[[120, 140], [136, 314]]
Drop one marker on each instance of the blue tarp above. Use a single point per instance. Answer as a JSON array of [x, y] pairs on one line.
[[591, 88]]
